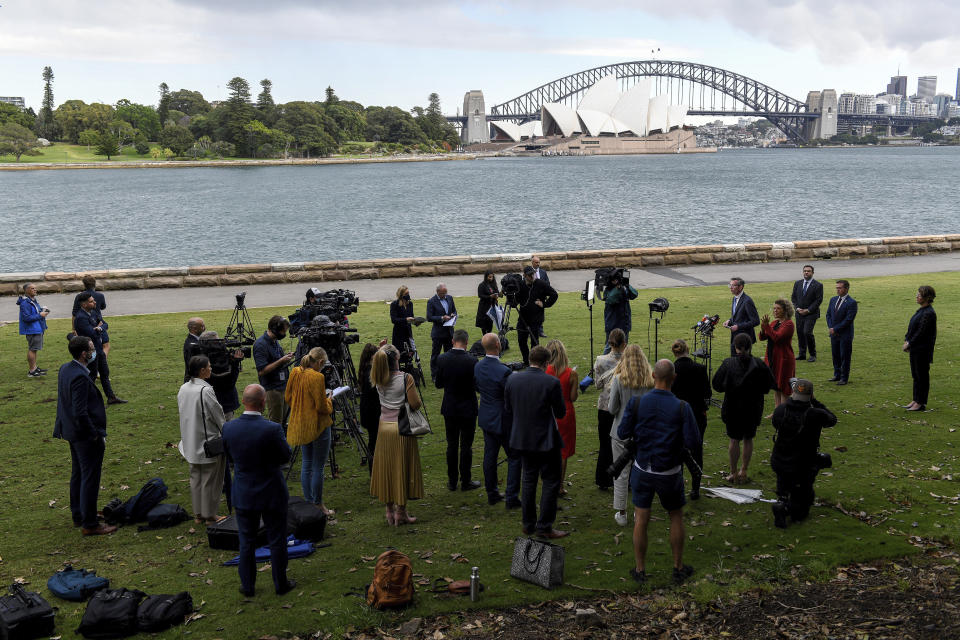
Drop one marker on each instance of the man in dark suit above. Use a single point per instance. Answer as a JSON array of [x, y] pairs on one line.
[[90, 285], [840, 315], [534, 296], [258, 448], [490, 380], [440, 309], [806, 298], [88, 323], [535, 401], [539, 273], [195, 327], [82, 421], [459, 409], [743, 314]]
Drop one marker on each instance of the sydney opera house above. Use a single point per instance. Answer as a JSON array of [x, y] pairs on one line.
[[607, 121]]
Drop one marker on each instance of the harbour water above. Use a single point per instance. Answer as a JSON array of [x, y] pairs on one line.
[[114, 218]]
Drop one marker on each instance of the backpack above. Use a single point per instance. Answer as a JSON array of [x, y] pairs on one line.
[[24, 614], [111, 613], [161, 612], [136, 508], [76, 584], [392, 584], [163, 516]]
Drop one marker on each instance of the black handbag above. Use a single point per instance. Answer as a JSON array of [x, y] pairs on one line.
[[25, 614], [212, 447], [539, 563], [161, 612], [111, 613]]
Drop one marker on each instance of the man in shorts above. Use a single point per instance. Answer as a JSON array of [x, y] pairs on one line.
[[665, 430], [33, 323]]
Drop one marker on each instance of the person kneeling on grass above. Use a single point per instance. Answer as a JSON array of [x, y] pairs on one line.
[[662, 426]]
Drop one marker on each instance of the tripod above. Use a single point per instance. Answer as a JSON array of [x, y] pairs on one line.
[[240, 327], [588, 296], [703, 352], [410, 363]]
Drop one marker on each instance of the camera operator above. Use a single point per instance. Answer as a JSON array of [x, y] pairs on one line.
[[795, 458], [272, 365], [616, 298], [534, 296], [223, 377], [195, 327]]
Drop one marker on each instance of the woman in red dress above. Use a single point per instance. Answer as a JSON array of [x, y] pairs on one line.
[[559, 367], [780, 358]]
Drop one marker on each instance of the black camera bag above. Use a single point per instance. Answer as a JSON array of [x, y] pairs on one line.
[[157, 613], [111, 613], [163, 516], [136, 508], [225, 534], [305, 520], [24, 615]]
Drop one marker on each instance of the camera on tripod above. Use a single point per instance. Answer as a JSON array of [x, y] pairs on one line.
[[611, 277], [219, 351], [510, 287], [324, 332]]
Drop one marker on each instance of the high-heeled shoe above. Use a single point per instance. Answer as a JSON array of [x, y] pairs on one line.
[[391, 516], [402, 517]]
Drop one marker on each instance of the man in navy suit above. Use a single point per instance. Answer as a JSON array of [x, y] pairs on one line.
[[258, 448], [743, 314], [88, 323], [840, 315], [807, 297], [440, 309], [535, 401], [82, 421], [459, 410], [490, 380], [539, 273]]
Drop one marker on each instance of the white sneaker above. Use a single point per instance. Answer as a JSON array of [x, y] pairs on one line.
[[621, 518]]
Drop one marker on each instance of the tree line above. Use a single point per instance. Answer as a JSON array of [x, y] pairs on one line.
[[184, 123]]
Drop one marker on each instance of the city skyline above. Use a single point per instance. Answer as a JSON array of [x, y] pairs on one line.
[[381, 53]]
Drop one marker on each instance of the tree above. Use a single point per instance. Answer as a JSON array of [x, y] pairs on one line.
[[107, 145], [236, 113], [264, 141], [16, 115], [46, 125], [141, 117], [17, 140], [176, 138], [69, 120], [239, 91], [189, 102], [331, 95], [141, 144], [265, 99], [164, 105], [88, 138]]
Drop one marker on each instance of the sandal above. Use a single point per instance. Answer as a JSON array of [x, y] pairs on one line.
[[732, 478], [391, 516], [402, 517]]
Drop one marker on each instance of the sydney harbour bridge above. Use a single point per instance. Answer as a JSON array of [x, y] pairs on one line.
[[705, 90]]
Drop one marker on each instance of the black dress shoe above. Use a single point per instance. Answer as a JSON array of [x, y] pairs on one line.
[[245, 593], [287, 588], [494, 498], [452, 486], [812, 359], [833, 379], [841, 382], [553, 534], [512, 504], [470, 486], [802, 356], [116, 400]]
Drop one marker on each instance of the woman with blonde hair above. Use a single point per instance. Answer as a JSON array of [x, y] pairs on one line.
[[632, 378], [311, 411], [401, 315], [397, 477], [779, 356], [559, 367]]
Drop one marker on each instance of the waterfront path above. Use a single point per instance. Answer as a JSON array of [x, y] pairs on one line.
[[198, 299]]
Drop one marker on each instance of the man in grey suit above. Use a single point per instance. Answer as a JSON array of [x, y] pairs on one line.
[[806, 298], [743, 314], [535, 401]]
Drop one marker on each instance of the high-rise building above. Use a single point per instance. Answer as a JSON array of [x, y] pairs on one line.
[[958, 86], [927, 87], [846, 103], [942, 100], [17, 101], [898, 85]]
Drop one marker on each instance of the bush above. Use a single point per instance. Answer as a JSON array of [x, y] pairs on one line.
[[142, 147], [352, 148]]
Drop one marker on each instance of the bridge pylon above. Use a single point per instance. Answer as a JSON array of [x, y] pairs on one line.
[[475, 128]]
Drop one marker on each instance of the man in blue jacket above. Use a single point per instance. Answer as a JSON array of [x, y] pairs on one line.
[[840, 316], [662, 426], [258, 449], [440, 309], [82, 421], [490, 380], [33, 323]]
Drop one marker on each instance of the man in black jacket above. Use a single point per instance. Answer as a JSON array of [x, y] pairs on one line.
[[459, 409], [195, 327], [534, 296], [441, 308], [795, 458], [806, 298], [535, 401], [743, 314]]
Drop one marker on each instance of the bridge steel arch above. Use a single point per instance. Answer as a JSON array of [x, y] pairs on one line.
[[788, 114]]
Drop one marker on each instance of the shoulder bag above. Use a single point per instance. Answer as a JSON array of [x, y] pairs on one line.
[[410, 422], [212, 447], [537, 562]]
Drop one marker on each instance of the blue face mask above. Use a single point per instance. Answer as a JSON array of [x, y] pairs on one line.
[[92, 357]]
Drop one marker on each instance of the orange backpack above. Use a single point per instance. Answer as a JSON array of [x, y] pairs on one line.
[[392, 584]]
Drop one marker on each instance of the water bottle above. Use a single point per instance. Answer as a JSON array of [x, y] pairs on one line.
[[474, 584]]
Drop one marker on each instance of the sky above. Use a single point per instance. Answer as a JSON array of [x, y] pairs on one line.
[[397, 52]]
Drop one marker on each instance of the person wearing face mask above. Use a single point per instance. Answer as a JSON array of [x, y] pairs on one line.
[[88, 324], [273, 365], [82, 421], [401, 315], [487, 295]]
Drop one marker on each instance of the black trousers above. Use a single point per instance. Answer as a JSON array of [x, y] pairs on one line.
[[101, 368], [805, 338], [275, 522], [605, 455], [86, 457], [370, 424], [795, 490], [441, 344], [537, 465], [841, 347], [920, 370], [694, 461], [486, 325], [460, 433], [533, 335]]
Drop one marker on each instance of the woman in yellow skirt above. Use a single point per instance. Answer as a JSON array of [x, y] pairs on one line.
[[397, 476]]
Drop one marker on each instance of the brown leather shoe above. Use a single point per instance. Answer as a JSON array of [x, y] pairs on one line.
[[553, 534], [100, 530]]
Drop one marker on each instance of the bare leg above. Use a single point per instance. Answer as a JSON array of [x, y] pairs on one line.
[[641, 518], [563, 477], [677, 534], [734, 450], [31, 360], [106, 348], [747, 454]]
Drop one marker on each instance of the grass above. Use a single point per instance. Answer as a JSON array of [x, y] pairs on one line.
[[888, 467], [59, 152]]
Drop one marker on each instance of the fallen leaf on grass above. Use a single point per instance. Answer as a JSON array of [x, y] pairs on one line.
[[194, 616], [265, 567], [51, 503]]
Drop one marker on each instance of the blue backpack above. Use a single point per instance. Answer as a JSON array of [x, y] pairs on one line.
[[76, 584], [136, 508]]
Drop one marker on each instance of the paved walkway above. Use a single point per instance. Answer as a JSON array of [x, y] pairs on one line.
[[277, 295]]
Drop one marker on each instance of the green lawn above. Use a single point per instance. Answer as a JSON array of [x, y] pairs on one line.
[[889, 468], [61, 152]]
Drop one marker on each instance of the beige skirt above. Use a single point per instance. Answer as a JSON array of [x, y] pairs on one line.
[[397, 477]]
